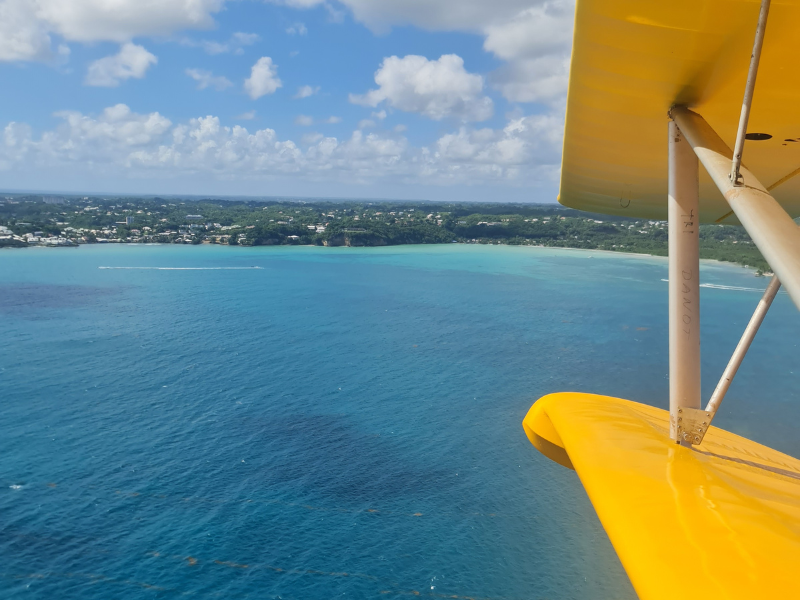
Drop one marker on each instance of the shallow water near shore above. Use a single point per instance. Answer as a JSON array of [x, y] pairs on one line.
[[310, 423]]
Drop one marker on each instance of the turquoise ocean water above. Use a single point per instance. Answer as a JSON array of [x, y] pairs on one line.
[[336, 422]]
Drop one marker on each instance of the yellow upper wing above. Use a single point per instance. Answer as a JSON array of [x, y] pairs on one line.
[[719, 520], [633, 59]]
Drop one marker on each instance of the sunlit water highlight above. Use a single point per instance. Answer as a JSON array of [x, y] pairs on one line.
[[336, 421]]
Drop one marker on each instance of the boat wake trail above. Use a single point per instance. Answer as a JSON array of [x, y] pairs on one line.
[[185, 268]]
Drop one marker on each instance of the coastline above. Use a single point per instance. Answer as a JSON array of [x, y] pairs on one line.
[[134, 221], [618, 253]]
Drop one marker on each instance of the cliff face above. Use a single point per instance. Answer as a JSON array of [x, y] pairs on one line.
[[355, 240], [365, 240], [336, 240]]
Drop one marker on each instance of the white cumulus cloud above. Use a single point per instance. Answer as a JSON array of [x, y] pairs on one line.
[[450, 15], [306, 91], [522, 140], [434, 88], [121, 143], [85, 140], [542, 79], [311, 138], [26, 25], [533, 32], [132, 61], [121, 20], [536, 43], [304, 120], [263, 78], [533, 37], [22, 35], [206, 79]]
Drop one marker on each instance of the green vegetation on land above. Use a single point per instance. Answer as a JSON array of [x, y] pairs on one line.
[[345, 223]]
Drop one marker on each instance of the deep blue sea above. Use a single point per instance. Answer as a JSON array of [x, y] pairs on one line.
[[313, 423]]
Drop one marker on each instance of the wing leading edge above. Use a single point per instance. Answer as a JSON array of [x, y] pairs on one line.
[[720, 520]]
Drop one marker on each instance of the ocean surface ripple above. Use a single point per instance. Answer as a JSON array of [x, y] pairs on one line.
[[310, 423]]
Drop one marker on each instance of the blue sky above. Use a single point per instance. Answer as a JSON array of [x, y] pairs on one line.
[[436, 100]]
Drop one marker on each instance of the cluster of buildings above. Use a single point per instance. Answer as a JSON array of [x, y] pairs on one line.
[[37, 238]]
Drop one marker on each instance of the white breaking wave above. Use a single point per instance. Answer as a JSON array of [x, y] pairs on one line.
[[715, 286], [185, 268], [730, 287]]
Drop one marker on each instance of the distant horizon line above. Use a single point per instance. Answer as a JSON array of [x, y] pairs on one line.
[[288, 198]]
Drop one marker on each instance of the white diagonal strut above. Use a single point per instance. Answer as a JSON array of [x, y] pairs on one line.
[[749, 88], [743, 345], [693, 423]]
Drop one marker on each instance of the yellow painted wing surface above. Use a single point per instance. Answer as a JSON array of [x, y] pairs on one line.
[[720, 520], [633, 59]]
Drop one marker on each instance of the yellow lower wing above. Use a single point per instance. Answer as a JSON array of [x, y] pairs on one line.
[[719, 520]]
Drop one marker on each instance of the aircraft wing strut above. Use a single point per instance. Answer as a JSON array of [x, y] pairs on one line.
[[690, 509]]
